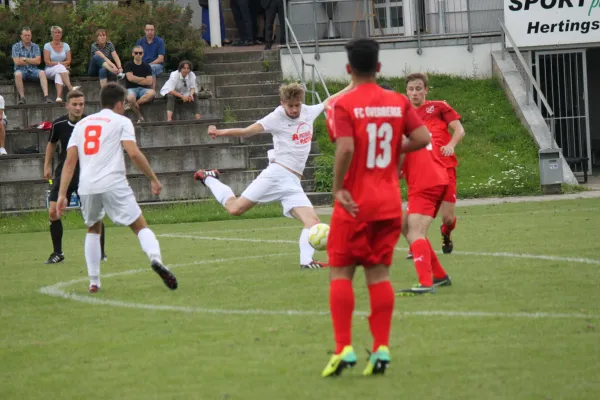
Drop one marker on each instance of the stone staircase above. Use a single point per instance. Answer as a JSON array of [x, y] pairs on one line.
[[245, 84]]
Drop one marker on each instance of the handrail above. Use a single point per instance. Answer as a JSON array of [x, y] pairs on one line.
[[300, 71], [526, 67]]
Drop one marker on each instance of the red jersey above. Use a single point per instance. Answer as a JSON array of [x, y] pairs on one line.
[[377, 120], [423, 169], [437, 115]]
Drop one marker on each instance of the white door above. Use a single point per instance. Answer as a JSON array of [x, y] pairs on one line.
[[387, 18]]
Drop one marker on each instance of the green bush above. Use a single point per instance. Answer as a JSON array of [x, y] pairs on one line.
[[125, 25]]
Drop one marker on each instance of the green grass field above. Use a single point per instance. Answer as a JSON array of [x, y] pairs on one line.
[[520, 322]]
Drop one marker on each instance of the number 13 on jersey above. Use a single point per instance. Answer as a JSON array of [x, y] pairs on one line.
[[379, 138], [92, 134]]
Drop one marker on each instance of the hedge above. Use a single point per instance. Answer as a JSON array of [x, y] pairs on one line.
[[125, 25]]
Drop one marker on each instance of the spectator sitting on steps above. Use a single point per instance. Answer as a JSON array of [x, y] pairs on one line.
[[182, 87], [57, 57], [154, 52], [138, 81], [27, 56], [105, 60]]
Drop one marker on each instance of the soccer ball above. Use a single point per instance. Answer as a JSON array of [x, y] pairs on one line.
[[317, 236]]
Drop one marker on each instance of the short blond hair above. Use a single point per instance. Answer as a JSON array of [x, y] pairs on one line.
[[291, 91]]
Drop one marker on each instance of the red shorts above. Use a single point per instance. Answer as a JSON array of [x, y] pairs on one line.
[[450, 196], [427, 201], [352, 242]]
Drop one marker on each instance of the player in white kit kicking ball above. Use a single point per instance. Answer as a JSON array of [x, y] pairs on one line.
[[97, 142], [291, 125]]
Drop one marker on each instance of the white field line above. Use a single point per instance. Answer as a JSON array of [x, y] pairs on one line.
[[580, 260], [57, 290]]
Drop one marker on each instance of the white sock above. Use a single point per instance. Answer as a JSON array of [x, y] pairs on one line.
[[221, 191], [306, 250], [149, 244], [92, 257]]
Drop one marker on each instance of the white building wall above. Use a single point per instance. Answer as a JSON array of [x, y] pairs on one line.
[[452, 60]]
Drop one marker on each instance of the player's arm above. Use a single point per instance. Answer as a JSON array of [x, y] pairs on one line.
[[418, 136], [458, 133], [400, 165], [341, 92], [50, 149], [141, 162], [417, 139], [248, 131], [66, 177]]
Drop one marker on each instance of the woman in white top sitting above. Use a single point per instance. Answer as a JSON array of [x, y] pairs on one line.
[[57, 57], [182, 87]]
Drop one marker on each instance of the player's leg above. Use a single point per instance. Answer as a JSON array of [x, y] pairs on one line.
[[92, 212], [447, 211], [122, 208], [341, 293], [383, 236], [223, 193], [56, 228], [92, 255], [409, 256], [308, 217], [421, 209], [103, 257]]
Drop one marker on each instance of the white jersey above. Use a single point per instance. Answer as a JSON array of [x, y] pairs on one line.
[[101, 160], [292, 137], [2, 109]]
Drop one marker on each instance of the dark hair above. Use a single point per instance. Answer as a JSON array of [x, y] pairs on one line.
[[74, 94], [149, 23], [183, 63], [25, 28], [417, 76], [386, 86], [363, 56], [111, 94]]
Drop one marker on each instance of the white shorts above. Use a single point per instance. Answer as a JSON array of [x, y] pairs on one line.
[[119, 203], [276, 183]]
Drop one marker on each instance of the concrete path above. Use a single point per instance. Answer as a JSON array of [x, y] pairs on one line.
[[502, 200]]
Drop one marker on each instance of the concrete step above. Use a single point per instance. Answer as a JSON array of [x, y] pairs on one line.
[[320, 199], [14, 168], [89, 86], [248, 78], [23, 116], [260, 149], [257, 89], [177, 133], [214, 57], [242, 67], [252, 114], [31, 194], [260, 163]]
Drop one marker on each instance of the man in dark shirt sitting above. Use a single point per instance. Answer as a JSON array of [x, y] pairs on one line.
[[138, 81]]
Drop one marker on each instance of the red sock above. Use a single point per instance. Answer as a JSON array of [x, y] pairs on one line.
[[341, 305], [436, 266], [382, 307], [446, 229], [422, 259]]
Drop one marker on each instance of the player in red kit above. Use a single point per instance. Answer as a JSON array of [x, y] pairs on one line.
[[368, 125], [427, 182], [439, 117]]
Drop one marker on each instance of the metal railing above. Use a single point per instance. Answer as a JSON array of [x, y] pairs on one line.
[[301, 70], [317, 21], [530, 81]]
